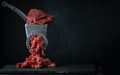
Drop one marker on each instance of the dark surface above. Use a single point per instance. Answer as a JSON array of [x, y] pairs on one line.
[[84, 32], [76, 69]]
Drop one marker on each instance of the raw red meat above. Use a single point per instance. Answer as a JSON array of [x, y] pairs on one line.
[[37, 58], [39, 17]]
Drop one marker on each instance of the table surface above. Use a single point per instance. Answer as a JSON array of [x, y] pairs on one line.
[[11, 69]]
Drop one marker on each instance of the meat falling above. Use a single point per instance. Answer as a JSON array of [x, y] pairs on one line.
[[37, 58]]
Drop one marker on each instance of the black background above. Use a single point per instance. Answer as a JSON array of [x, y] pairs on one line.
[[84, 32]]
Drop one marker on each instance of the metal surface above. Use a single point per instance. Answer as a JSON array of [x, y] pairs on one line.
[[32, 30], [20, 13]]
